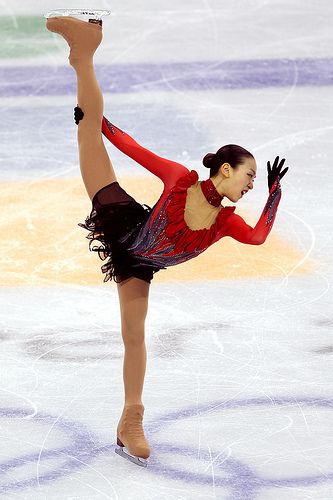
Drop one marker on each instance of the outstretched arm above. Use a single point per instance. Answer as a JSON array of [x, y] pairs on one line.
[[238, 229], [168, 171]]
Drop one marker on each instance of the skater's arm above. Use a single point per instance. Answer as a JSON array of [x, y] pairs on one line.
[[238, 229], [168, 171]]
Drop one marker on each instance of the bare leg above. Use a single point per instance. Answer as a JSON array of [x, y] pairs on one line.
[[83, 39], [133, 298], [95, 164]]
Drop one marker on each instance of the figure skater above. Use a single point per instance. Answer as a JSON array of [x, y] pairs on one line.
[[139, 241]]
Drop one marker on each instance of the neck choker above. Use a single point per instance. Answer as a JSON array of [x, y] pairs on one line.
[[211, 195]]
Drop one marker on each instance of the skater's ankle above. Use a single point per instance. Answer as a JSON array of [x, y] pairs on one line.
[[132, 402]]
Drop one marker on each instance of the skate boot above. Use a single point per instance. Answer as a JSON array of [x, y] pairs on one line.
[[130, 435], [82, 37]]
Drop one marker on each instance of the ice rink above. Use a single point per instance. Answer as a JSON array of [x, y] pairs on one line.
[[239, 385]]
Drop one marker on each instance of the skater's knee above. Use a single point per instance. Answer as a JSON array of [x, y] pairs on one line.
[[89, 135], [90, 123], [133, 336]]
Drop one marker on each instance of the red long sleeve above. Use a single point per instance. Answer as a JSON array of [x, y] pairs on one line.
[[168, 171], [238, 229]]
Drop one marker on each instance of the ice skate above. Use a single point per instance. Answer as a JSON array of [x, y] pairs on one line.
[[130, 435], [82, 37]]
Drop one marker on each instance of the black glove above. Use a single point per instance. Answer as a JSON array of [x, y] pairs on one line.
[[275, 171], [78, 114]]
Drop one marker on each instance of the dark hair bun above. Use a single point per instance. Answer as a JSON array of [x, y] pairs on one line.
[[231, 153], [209, 160]]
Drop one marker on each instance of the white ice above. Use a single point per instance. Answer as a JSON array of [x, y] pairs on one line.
[[239, 385]]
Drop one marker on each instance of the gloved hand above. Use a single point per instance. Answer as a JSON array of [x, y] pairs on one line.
[[275, 171], [78, 114]]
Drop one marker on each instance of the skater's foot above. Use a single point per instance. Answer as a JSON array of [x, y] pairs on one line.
[[130, 434], [82, 37]]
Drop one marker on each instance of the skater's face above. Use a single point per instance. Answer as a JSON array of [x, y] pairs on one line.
[[238, 181]]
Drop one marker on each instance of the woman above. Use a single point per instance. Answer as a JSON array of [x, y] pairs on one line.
[[139, 241]]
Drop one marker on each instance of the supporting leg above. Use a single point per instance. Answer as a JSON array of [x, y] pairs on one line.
[[133, 298]]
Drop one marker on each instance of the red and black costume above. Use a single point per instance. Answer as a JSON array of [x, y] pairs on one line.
[[140, 240]]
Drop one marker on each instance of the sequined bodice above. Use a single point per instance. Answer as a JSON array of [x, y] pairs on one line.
[[166, 238]]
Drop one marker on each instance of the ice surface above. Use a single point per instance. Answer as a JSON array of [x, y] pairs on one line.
[[239, 387]]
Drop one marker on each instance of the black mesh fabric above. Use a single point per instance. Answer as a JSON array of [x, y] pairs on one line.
[[115, 215]]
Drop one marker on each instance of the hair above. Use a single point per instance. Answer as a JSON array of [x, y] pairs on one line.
[[231, 153]]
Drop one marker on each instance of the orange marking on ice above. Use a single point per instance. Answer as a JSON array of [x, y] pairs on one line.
[[43, 245]]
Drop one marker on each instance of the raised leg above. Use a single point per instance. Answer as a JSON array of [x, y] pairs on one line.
[[95, 164], [83, 39]]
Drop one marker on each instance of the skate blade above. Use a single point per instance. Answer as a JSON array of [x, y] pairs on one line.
[[96, 14], [142, 462]]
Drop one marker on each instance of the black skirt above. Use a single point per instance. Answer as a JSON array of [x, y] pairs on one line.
[[114, 221]]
